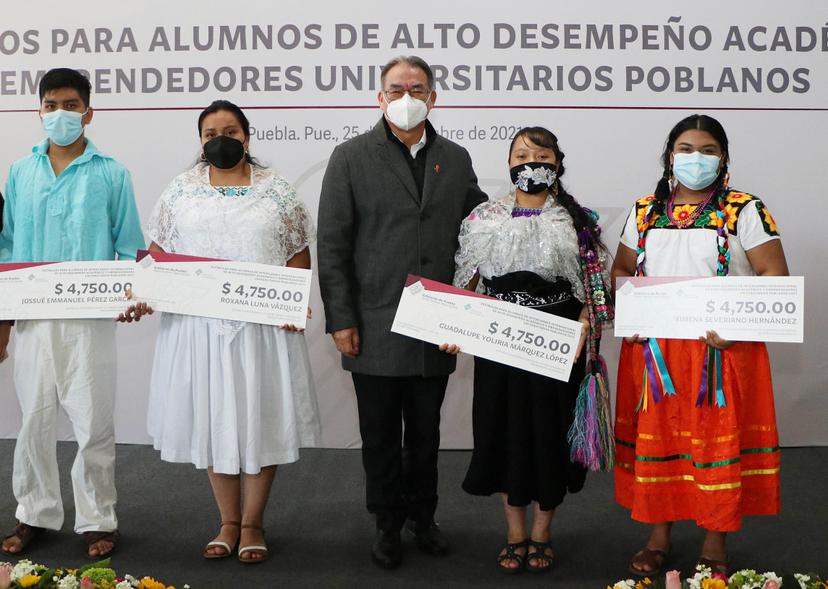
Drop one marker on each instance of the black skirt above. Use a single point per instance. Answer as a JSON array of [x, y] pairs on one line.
[[520, 418]]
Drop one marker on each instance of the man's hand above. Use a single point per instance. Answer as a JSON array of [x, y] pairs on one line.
[[347, 341]]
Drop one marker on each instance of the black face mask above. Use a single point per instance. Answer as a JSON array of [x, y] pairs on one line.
[[223, 152], [534, 177]]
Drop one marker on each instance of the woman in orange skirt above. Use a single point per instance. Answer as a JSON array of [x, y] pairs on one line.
[[695, 427]]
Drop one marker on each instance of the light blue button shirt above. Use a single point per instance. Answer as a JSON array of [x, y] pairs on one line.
[[88, 212]]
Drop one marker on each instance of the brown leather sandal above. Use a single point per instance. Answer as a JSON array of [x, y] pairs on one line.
[[26, 534], [653, 560], [716, 566], [92, 538], [228, 550], [260, 549]]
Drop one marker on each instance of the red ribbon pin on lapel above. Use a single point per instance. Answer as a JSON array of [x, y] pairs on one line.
[[436, 168]]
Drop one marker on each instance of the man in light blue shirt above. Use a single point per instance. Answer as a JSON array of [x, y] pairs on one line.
[[66, 201]]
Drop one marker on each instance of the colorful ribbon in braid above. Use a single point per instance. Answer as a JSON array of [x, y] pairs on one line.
[[656, 376], [591, 439], [641, 251], [711, 382]]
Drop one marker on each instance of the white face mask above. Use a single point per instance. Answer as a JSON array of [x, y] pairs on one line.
[[406, 112]]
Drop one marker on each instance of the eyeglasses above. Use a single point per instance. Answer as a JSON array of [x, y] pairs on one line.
[[397, 92]]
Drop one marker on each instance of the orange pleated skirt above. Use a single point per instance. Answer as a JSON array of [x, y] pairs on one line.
[[713, 465]]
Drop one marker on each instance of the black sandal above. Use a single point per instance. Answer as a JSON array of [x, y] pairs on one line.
[[540, 555], [26, 534], [511, 554]]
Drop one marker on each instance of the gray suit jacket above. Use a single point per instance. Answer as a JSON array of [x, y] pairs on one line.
[[374, 230]]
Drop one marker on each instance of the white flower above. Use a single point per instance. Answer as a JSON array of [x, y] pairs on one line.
[[21, 569], [68, 582], [543, 176], [124, 585]]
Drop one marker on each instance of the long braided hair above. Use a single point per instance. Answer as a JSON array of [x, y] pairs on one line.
[[591, 248], [663, 191], [590, 436]]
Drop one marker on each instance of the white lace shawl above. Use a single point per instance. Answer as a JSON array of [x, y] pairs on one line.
[[495, 243], [268, 224]]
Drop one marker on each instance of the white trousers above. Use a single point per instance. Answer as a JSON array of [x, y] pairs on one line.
[[71, 364]]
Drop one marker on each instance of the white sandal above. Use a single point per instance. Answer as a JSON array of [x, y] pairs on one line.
[[262, 549], [228, 550]]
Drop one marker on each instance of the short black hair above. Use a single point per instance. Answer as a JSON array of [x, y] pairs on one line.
[[64, 77], [411, 60]]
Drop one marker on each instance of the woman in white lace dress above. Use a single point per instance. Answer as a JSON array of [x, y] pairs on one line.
[[535, 247], [235, 398]]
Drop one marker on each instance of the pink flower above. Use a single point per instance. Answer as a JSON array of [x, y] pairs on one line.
[[718, 575], [770, 584], [673, 580], [5, 576], [86, 583]]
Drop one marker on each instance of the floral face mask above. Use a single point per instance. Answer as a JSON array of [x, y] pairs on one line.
[[534, 177]]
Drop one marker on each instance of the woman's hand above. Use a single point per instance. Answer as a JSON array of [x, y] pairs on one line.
[[584, 335], [134, 312], [293, 328], [5, 334], [713, 340], [452, 349], [636, 339]]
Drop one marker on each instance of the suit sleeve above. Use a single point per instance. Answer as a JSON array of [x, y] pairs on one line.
[[474, 196], [335, 245]]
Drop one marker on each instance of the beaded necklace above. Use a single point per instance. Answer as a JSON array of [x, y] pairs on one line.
[[525, 211], [723, 258], [691, 218]]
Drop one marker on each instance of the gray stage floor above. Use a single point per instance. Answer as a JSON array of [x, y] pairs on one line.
[[320, 535]]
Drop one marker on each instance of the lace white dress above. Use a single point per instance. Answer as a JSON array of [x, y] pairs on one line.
[[231, 395]]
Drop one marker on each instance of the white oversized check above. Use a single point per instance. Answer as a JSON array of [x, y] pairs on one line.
[[738, 308], [64, 290], [220, 289], [483, 326]]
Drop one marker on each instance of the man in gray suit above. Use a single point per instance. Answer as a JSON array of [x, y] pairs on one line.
[[391, 205]]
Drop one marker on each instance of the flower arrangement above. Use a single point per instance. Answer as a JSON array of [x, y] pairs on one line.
[[705, 578], [99, 575]]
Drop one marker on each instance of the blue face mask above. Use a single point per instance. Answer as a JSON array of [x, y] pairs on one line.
[[63, 126], [696, 170]]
